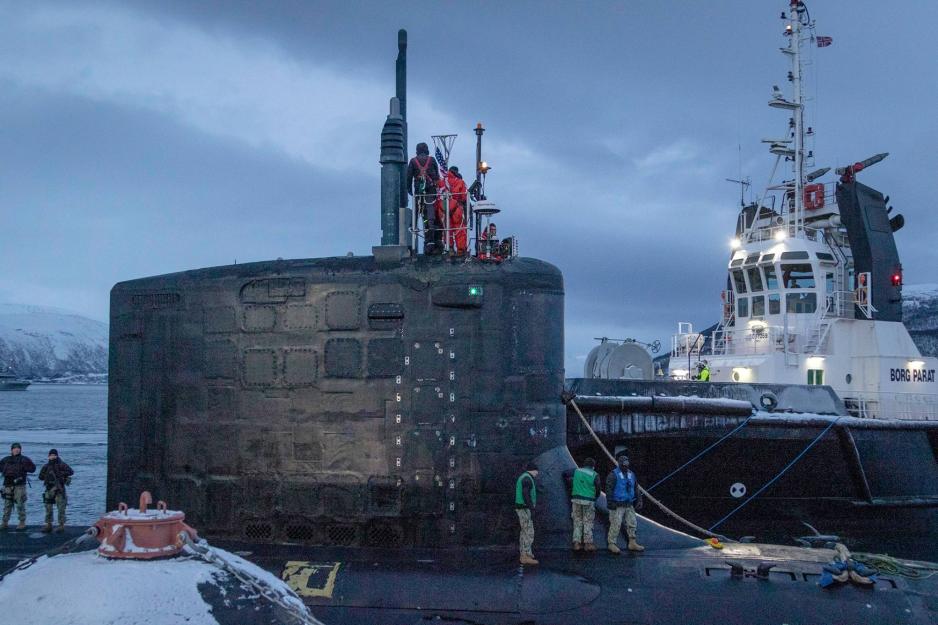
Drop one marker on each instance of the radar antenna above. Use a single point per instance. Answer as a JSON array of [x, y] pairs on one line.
[[744, 184]]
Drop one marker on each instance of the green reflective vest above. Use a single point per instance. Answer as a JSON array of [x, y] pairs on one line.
[[584, 485], [705, 374], [519, 494]]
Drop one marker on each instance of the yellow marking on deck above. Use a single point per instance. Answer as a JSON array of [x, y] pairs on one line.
[[311, 579]]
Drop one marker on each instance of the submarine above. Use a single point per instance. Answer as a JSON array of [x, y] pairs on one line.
[[355, 426]]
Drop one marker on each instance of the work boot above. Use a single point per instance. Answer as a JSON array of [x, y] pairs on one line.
[[634, 546], [614, 548], [589, 547], [576, 545], [528, 559], [21, 525], [47, 528], [60, 528]]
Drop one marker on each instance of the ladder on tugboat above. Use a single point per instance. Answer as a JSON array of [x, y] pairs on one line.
[[819, 334]]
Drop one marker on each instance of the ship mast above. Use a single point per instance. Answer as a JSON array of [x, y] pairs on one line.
[[795, 14]]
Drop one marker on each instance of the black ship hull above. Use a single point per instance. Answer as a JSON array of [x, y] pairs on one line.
[[874, 483]]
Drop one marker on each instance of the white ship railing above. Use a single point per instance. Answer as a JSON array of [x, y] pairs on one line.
[[883, 405], [768, 233]]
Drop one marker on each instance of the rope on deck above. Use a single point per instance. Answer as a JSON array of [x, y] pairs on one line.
[[647, 495]]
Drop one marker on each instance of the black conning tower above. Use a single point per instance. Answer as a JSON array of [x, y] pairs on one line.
[[385, 400]]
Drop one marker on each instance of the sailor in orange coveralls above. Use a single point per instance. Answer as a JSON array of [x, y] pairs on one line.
[[456, 235]]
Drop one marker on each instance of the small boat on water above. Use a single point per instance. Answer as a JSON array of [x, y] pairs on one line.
[[11, 382]]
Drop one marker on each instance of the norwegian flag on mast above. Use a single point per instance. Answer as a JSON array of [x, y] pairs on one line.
[[823, 41]]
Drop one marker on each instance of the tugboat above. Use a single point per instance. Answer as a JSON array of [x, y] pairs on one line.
[[812, 336], [11, 382]]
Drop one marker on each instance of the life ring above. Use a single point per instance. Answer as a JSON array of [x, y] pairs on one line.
[[768, 401], [814, 196]]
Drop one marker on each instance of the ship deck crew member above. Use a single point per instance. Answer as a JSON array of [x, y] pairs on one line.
[[14, 469], [703, 371], [456, 227], [584, 487], [56, 475], [525, 502], [423, 175], [623, 497], [489, 244]]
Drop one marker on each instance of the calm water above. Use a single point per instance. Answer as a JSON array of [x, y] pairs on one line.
[[72, 419]]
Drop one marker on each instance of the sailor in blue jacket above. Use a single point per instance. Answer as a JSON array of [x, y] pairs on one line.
[[623, 497]]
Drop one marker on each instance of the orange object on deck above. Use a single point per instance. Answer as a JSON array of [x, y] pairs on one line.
[[142, 534]]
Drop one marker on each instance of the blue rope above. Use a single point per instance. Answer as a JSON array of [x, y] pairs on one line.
[[689, 462], [781, 473]]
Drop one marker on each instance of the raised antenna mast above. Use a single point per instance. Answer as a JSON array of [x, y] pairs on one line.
[[795, 15], [743, 185]]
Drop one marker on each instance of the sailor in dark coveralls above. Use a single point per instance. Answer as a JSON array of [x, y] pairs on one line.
[[14, 469], [56, 475]]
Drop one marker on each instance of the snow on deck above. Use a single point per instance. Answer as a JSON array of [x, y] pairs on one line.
[[87, 589]]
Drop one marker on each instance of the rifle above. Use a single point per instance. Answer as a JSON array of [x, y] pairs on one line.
[[58, 482]]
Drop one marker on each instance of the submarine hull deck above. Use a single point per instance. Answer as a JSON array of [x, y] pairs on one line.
[[675, 581]]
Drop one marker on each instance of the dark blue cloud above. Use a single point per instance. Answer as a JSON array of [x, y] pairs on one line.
[[611, 127]]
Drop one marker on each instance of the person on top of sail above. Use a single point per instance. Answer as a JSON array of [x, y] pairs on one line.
[[488, 248], [423, 175], [456, 233]]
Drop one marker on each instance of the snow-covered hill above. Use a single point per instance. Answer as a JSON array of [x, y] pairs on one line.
[[920, 313], [38, 342]]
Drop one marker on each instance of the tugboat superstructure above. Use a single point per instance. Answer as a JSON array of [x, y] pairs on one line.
[[814, 290]]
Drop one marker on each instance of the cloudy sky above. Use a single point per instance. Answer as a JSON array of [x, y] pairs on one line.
[[145, 138]]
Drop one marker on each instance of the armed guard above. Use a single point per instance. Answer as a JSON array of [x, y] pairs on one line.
[[56, 475], [584, 489], [623, 497], [15, 469]]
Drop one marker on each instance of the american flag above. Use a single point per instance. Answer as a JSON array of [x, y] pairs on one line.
[[823, 42], [440, 161]]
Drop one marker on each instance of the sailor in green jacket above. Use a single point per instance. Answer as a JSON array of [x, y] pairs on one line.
[[584, 487], [525, 502]]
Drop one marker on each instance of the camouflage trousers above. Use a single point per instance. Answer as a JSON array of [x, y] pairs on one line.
[[615, 522], [583, 513], [18, 499], [526, 539], [58, 498]]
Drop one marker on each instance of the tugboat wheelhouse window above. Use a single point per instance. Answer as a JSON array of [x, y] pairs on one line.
[[797, 276], [775, 303], [758, 306], [739, 281], [742, 307], [755, 279], [801, 302], [771, 278]]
